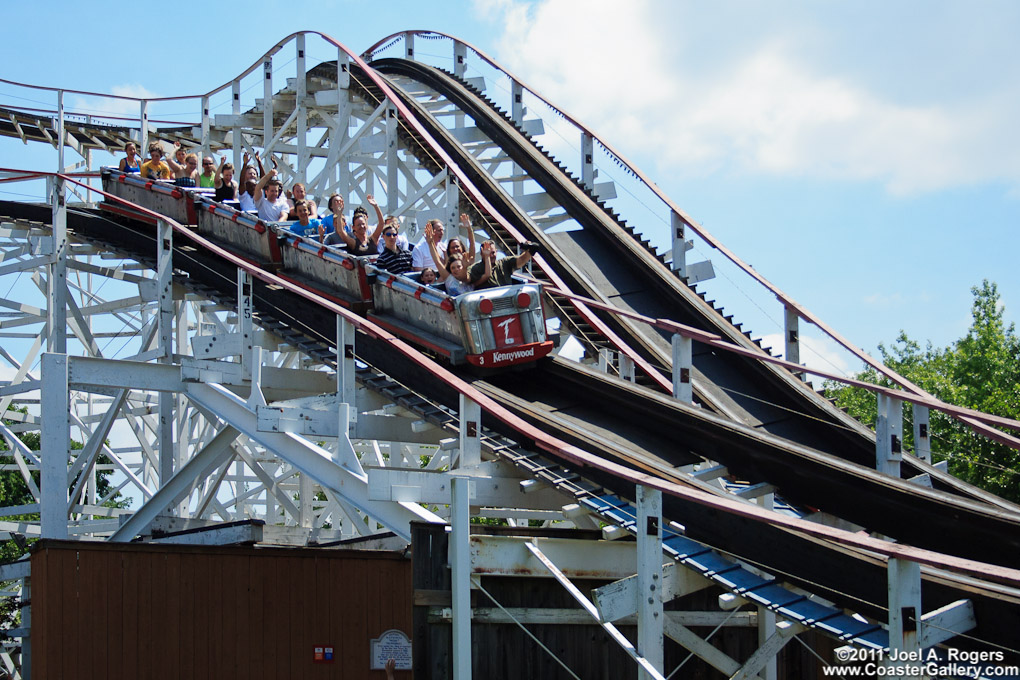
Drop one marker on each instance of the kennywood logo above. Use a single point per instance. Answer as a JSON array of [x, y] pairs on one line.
[[499, 357]]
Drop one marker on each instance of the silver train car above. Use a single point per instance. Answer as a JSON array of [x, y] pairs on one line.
[[490, 329]]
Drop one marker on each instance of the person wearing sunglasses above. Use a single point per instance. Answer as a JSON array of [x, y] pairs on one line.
[[207, 178], [394, 258]]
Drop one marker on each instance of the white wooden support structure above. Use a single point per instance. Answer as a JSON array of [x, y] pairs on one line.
[[649, 579], [905, 626], [683, 368], [588, 161], [517, 116], [470, 433], [889, 435], [614, 632], [56, 285], [205, 125], [452, 215], [165, 322], [678, 230], [627, 371], [766, 632], [409, 45], [267, 109], [302, 110], [792, 335], [460, 575], [459, 58], [143, 138], [342, 130], [56, 433], [245, 319], [922, 433], [235, 133], [345, 371], [392, 160]]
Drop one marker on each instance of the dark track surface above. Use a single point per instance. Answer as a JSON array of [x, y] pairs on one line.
[[605, 261], [839, 574]]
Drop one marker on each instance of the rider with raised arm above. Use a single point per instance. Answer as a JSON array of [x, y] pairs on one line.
[[491, 273], [453, 274], [361, 243], [272, 206]]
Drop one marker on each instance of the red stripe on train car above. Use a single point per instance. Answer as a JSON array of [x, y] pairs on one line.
[[410, 337]]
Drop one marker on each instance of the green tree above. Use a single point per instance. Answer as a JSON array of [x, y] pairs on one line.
[[980, 371], [14, 491]]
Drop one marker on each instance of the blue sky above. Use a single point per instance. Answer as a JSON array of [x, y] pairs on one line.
[[864, 156]]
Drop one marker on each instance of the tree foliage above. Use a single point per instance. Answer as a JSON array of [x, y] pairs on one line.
[[980, 371], [14, 491]]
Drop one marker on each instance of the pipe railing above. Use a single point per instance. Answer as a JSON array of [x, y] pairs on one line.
[[575, 455], [793, 310]]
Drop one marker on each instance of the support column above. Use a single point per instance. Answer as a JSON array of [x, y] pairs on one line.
[[889, 435], [409, 45], [587, 161], [683, 362], [470, 433], [245, 320], [56, 288], [626, 367], [143, 134], [302, 112], [392, 161], [345, 367], [343, 122], [205, 126], [56, 434], [922, 439], [904, 605], [165, 323], [267, 109], [459, 58], [452, 218], [235, 134], [649, 578], [517, 116], [679, 229], [792, 335], [460, 567], [766, 629]]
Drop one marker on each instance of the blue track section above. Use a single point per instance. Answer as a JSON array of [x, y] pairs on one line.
[[732, 576]]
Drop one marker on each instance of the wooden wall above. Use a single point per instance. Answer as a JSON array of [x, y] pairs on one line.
[[504, 652], [159, 611]]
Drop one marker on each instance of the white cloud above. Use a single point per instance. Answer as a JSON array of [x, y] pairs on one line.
[[766, 105], [107, 106]]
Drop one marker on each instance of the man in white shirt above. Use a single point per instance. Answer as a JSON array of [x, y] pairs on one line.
[[421, 257], [269, 201]]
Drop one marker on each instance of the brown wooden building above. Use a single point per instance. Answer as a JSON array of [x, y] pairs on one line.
[[144, 610]]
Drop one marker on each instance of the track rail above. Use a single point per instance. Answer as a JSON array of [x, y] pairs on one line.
[[768, 397], [838, 565]]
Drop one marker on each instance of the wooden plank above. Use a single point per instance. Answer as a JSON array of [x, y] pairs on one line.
[[71, 576], [238, 586], [255, 630], [42, 614], [188, 616], [157, 659], [171, 618], [114, 588], [129, 614]]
